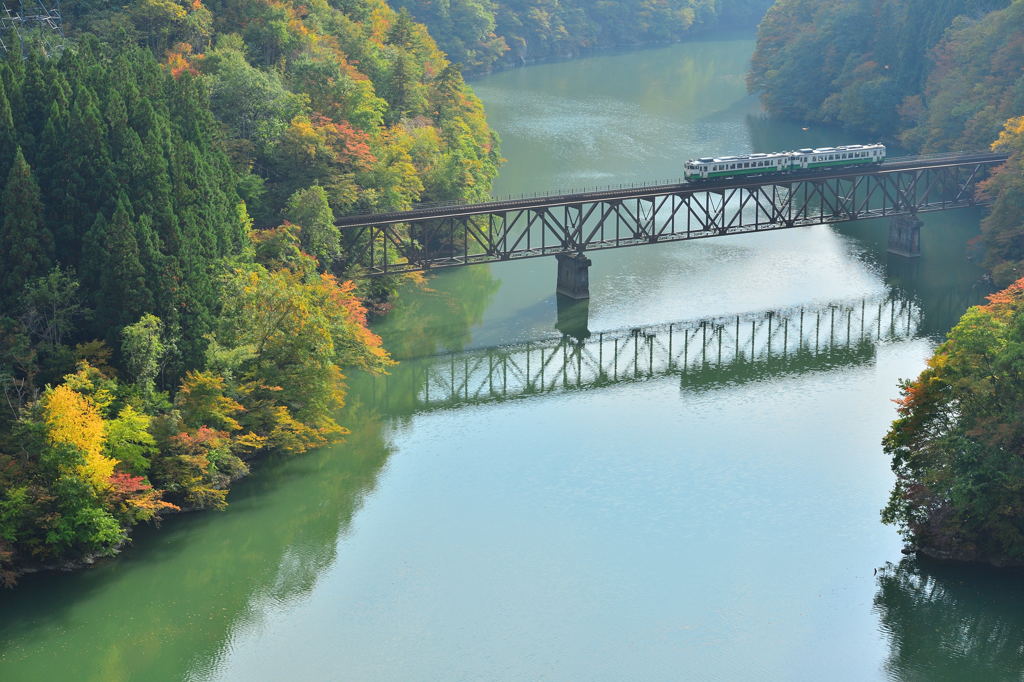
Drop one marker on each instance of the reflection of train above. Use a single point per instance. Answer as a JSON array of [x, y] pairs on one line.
[[784, 162]]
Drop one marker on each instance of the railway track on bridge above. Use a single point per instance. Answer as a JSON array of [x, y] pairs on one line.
[[446, 210], [567, 225]]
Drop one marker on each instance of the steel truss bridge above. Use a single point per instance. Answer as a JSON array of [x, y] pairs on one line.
[[456, 235], [703, 353]]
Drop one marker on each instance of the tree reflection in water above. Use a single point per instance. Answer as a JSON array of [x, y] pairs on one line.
[[951, 622]]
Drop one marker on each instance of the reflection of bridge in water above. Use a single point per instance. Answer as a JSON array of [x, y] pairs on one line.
[[703, 353]]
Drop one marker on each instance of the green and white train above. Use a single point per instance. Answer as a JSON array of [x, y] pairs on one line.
[[708, 168]]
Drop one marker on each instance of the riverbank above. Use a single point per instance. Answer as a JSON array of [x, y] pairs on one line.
[[520, 538], [711, 34]]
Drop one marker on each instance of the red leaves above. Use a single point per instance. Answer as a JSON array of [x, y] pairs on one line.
[[351, 146], [126, 484], [137, 495], [199, 441]]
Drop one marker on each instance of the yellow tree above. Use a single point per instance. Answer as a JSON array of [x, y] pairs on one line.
[[73, 419]]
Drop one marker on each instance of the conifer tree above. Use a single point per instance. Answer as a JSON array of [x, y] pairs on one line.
[[8, 134], [87, 172], [112, 267], [27, 245]]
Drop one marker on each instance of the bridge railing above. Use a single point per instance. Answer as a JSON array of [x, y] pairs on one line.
[[553, 194], [549, 193]]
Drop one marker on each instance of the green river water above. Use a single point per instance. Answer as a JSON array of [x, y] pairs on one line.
[[713, 520]]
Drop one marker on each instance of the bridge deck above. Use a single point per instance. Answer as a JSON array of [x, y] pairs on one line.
[[458, 235], [910, 163]]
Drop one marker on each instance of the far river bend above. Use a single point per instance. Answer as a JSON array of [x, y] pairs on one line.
[[712, 520]]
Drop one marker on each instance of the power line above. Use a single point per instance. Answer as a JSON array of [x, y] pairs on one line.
[[28, 23]]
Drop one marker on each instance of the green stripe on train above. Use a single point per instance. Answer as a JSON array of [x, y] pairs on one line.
[[751, 171]]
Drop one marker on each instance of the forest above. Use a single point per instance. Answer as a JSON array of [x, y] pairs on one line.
[[175, 298], [934, 76], [481, 35]]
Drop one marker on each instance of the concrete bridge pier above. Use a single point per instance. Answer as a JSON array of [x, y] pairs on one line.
[[905, 236], [573, 275]]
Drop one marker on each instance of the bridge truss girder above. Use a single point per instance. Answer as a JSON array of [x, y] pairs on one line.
[[682, 212]]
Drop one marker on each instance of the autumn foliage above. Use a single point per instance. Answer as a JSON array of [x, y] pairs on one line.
[[957, 445], [176, 299]]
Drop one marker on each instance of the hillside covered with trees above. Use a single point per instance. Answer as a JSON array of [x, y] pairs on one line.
[[175, 299], [957, 445], [483, 34], [933, 76], [867, 64], [930, 75]]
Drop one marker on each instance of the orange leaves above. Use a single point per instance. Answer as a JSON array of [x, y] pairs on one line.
[[197, 443], [1005, 302], [199, 465], [316, 140], [342, 295], [352, 146], [135, 493], [179, 60]]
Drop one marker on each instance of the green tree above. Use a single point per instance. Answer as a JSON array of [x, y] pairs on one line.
[[27, 243], [957, 446], [309, 209], [114, 269], [144, 348]]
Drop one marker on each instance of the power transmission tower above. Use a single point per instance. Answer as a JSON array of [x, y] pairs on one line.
[[26, 23]]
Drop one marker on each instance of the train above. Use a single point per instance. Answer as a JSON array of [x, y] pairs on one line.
[[709, 168]]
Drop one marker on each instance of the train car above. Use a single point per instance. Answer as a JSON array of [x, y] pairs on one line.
[[832, 157], [709, 168], [734, 166]]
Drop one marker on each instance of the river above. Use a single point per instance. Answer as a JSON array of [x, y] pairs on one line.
[[714, 517]]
